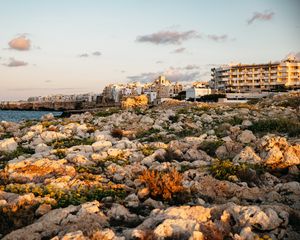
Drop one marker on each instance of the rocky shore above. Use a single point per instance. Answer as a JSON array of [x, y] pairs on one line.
[[177, 171]]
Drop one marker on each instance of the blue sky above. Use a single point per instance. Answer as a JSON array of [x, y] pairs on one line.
[[137, 39]]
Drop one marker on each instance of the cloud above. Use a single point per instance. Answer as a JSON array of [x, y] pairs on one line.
[[97, 53], [259, 16], [15, 63], [168, 37], [83, 55], [189, 73], [52, 89], [159, 62], [21, 43], [191, 67], [293, 54], [218, 38], [179, 50], [48, 81]]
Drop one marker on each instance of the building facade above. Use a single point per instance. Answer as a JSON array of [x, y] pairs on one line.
[[241, 78]]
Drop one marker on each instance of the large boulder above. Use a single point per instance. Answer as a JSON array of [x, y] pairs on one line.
[[8, 145], [247, 155], [246, 137]]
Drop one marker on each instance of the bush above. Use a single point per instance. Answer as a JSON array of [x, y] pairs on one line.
[[107, 112], [163, 186], [6, 156], [210, 147], [60, 153], [147, 133], [147, 151], [223, 169], [66, 197], [67, 143], [280, 125], [6, 135]]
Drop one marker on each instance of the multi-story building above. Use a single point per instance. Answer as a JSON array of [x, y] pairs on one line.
[[240, 78]]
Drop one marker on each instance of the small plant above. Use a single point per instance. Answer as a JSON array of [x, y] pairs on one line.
[[235, 121], [147, 151], [279, 125], [47, 124], [60, 153], [174, 118], [6, 135], [183, 111], [28, 123], [147, 133], [210, 147], [163, 185]]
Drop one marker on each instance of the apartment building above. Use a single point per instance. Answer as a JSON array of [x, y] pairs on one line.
[[241, 78]]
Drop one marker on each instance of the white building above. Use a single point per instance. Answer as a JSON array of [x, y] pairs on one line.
[[196, 92]]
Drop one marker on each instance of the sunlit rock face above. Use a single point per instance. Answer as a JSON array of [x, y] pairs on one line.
[[135, 102]]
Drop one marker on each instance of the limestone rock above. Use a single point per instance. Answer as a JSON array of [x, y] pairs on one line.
[[8, 145], [246, 137]]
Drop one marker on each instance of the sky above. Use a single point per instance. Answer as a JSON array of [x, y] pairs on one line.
[[78, 46]]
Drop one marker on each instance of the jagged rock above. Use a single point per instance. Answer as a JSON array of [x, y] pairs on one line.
[[194, 155], [246, 137], [132, 201], [42, 147], [118, 213], [50, 136], [8, 145], [100, 145], [206, 118], [247, 155], [143, 193], [43, 209], [47, 117]]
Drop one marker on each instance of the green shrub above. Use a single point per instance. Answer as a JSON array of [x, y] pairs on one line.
[[67, 197], [293, 102], [147, 133], [210, 147], [6, 135], [235, 121], [280, 125], [223, 169], [60, 153], [6, 156], [174, 118], [147, 151], [107, 112], [67, 143]]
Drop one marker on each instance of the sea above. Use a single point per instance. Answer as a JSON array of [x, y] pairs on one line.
[[17, 116]]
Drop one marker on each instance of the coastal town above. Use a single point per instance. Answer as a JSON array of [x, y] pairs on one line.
[[229, 83]]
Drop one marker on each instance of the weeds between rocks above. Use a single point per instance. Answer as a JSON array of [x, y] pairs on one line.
[[279, 125]]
